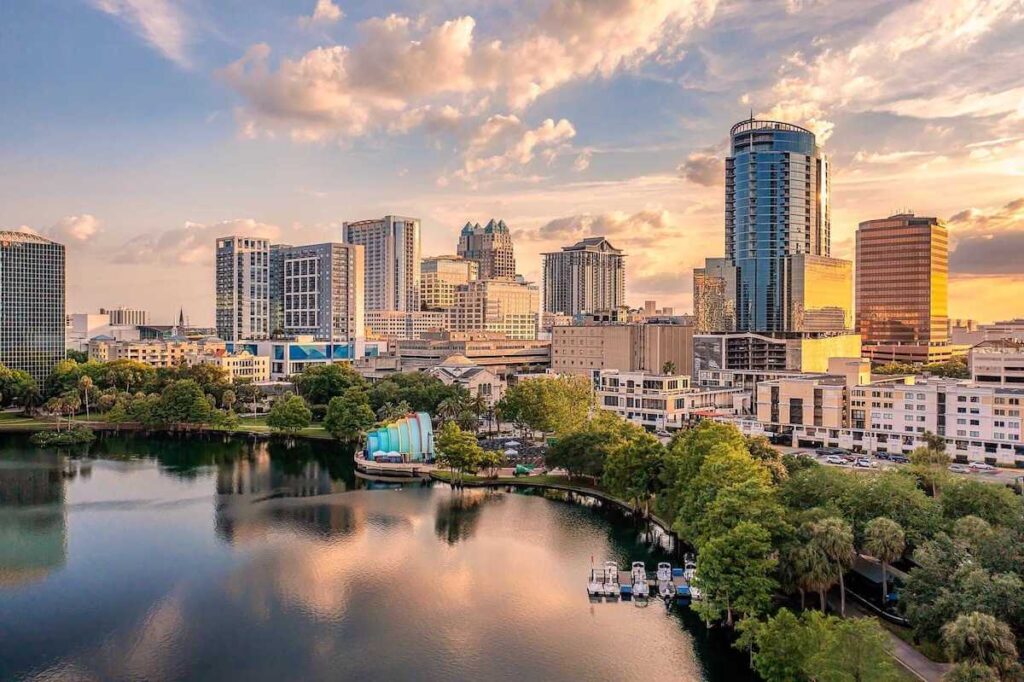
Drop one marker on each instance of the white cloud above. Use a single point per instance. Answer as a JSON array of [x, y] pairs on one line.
[[888, 157], [161, 23], [503, 143], [400, 64], [69, 230], [582, 161], [704, 167], [191, 244], [325, 12]]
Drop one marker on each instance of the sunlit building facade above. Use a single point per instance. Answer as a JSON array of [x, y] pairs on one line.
[[714, 296], [392, 257], [439, 275], [587, 277], [243, 288], [490, 247]]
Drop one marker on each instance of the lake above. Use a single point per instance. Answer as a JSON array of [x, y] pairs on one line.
[[210, 558]]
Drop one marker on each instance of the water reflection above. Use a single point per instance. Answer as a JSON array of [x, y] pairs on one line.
[[33, 528], [458, 513]]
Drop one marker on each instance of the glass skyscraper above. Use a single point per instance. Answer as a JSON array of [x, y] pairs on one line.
[[776, 212], [32, 292]]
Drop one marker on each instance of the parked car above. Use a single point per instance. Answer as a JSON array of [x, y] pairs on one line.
[[883, 455], [960, 468], [825, 452], [836, 459], [899, 459], [865, 463], [982, 468]]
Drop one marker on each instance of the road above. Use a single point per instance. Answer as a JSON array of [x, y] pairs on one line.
[[1001, 476]]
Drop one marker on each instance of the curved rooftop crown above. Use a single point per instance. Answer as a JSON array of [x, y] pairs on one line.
[[752, 124], [23, 238]]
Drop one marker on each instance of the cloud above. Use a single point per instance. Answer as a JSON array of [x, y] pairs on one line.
[[641, 228], [399, 64], [161, 23], [944, 67], [191, 244], [887, 157], [325, 12], [503, 143], [582, 161], [988, 242], [69, 230], [706, 168]]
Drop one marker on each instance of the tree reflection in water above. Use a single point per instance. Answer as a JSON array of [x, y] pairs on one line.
[[458, 515]]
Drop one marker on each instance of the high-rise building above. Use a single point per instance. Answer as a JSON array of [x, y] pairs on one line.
[[243, 288], [584, 278], [323, 291], [32, 295], [277, 252], [392, 256], [714, 296], [902, 282], [439, 275], [126, 317], [776, 208], [491, 247], [496, 305]]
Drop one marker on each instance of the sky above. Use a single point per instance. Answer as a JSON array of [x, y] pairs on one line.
[[138, 131]]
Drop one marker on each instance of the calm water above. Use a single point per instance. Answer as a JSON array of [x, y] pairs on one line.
[[168, 559]]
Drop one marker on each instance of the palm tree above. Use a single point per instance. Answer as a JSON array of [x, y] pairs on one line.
[[55, 405], [668, 368], [814, 571], [85, 385], [884, 539], [981, 638], [390, 411], [835, 539], [72, 402], [450, 408]]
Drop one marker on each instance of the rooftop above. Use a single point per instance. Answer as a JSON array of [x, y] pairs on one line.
[[10, 236]]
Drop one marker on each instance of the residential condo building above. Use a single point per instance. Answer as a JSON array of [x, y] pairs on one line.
[[32, 299], [490, 247], [392, 258], [322, 290], [586, 277], [243, 288]]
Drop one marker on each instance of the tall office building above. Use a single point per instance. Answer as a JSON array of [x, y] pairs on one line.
[[902, 284], [496, 305], [776, 216], [584, 278], [322, 290], [32, 295], [491, 247], [392, 259], [243, 288], [276, 289], [439, 275], [714, 296]]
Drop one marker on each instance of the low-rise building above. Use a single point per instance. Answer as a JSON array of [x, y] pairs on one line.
[[778, 352], [503, 306], [502, 355], [664, 401], [293, 356], [997, 362], [170, 352], [587, 349], [81, 327], [401, 324], [242, 366], [476, 379]]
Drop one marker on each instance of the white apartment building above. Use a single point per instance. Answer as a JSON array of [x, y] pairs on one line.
[[997, 362], [398, 324], [170, 352], [239, 366], [586, 277], [84, 326], [392, 273], [243, 288], [663, 401]]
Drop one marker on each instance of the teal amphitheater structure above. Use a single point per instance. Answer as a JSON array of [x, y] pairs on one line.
[[409, 439]]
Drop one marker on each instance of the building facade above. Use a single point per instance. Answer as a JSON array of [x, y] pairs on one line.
[[587, 349], [126, 317], [714, 296], [902, 284], [243, 366], [584, 278], [293, 356], [490, 247], [771, 353], [439, 275], [998, 363], [496, 305], [243, 288], [322, 291], [497, 352], [392, 258], [395, 324], [663, 401], [171, 352], [32, 300]]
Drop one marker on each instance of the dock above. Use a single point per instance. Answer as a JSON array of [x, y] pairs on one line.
[[394, 469]]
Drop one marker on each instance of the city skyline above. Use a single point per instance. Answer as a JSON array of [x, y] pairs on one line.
[[623, 134]]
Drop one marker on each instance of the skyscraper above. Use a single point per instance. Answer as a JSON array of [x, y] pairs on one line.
[[392, 260], [714, 296], [776, 212], [584, 278], [902, 283], [439, 275], [496, 305], [276, 289], [322, 289], [32, 294], [243, 288], [490, 247]]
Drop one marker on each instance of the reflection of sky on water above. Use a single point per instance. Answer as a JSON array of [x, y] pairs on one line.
[[172, 576]]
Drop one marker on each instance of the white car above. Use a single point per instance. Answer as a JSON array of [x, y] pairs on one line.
[[836, 459], [959, 468], [983, 468], [865, 463]]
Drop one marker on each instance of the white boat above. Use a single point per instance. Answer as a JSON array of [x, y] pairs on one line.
[[638, 575], [595, 586], [689, 568], [664, 572], [611, 580]]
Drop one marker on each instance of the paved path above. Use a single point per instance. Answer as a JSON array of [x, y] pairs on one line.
[[910, 658]]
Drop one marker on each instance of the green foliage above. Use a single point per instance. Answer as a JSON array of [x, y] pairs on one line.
[[319, 383], [736, 573], [683, 460], [16, 387], [971, 672], [559, 405], [76, 435], [886, 541], [762, 451], [349, 416], [419, 390], [183, 402], [289, 414], [955, 368], [834, 537], [457, 450], [994, 503], [784, 644], [981, 639], [632, 471], [79, 356], [584, 452], [853, 649]]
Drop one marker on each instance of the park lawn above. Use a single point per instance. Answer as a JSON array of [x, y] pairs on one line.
[[15, 421]]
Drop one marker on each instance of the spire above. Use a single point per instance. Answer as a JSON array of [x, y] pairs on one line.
[[181, 320]]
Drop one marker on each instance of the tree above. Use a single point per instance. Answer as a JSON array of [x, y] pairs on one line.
[[884, 540], [668, 368], [735, 573], [457, 450], [85, 387], [993, 503], [930, 461], [584, 452], [557, 405], [319, 383], [762, 451], [248, 394], [971, 672], [127, 374], [981, 639], [289, 414], [855, 649], [631, 472], [183, 402], [117, 415], [391, 411], [492, 460], [228, 399], [814, 572], [835, 539], [79, 356], [784, 644], [349, 416], [450, 408], [685, 456]]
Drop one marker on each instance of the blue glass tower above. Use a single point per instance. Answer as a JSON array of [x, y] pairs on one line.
[[776, 217]]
